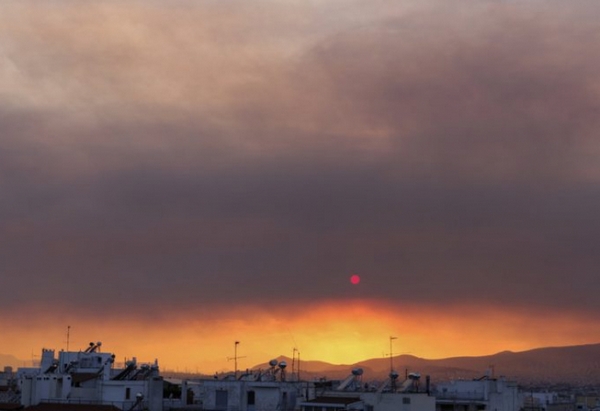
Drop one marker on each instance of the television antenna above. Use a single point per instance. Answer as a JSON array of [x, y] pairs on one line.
[[391, 353], [294, 352], [235, 357]]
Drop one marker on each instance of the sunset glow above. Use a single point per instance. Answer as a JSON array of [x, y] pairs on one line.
[[344, 332], [298, 176]]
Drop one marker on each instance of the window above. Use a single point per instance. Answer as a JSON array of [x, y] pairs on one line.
[[251, 398], [406, 400], [221, 399], [127, 393]]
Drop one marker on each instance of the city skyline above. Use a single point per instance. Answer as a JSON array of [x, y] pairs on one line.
[[178, 176]]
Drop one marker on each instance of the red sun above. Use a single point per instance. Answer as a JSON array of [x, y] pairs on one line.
[[355, 279]]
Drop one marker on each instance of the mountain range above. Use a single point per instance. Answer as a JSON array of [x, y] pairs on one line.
[[574, 365], [12, 361]]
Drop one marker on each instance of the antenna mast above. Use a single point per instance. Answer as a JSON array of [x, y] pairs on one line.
[[393, 374], [68, 336], [235, 358], [293, 360], [391, 354]]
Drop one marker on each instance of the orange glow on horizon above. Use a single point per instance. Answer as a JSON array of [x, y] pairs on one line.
[[342, 332]]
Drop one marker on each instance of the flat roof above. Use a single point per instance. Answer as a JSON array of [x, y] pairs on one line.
[[332, 400]]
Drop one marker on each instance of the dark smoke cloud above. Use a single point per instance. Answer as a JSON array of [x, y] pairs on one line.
[[448, 156]]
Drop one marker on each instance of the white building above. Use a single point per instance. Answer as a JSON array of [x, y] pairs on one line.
[[352, 395], [548, 401], [243, 395], [370, 401], [258, 390], [485, 394], [88, 377]]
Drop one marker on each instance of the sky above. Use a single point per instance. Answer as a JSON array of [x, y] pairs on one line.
[[177, 176]]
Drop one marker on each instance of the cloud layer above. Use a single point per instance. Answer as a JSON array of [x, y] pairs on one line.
[[203, 154]]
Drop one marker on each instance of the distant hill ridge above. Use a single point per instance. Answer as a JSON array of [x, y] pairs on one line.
[[578, 365], [12, 361]]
